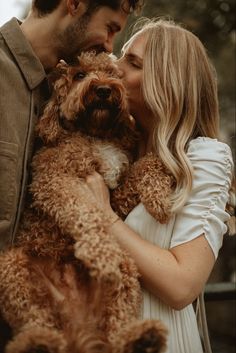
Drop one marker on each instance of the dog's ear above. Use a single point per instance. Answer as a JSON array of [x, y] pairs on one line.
[[57, 73], [48, 127]]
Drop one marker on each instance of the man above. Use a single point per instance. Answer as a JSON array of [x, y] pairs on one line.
[[54, 30]]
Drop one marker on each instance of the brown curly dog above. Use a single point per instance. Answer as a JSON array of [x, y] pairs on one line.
[[66, 286]]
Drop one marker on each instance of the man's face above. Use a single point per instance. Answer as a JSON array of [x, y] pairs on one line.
[[92, 32]]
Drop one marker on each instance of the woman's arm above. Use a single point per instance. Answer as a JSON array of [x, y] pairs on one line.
[[177, 275]]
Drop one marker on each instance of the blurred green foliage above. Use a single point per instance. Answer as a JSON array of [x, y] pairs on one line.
[[213, 21]]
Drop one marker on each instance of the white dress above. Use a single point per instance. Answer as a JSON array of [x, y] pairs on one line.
[[205, 213]]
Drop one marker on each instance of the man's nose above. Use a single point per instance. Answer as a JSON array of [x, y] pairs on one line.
[[108, 47], [109, 44]]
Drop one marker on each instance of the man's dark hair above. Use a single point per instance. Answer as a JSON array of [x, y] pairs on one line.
[[45, 7]]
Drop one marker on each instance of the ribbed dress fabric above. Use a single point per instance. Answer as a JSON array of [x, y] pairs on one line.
[[204, 212]]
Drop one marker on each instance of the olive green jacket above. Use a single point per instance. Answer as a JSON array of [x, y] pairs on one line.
[[21, 94]]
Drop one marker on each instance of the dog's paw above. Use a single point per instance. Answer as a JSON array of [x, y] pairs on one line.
[[37, 340], [151, 341], [144, 337], [101, 258], [101, 269]]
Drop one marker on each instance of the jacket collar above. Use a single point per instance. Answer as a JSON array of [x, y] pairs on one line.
[[28, 62]]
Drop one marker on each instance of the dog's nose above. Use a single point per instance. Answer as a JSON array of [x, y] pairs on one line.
[[103, 92]]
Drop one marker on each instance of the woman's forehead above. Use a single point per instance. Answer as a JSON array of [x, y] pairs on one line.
[[136, 45]]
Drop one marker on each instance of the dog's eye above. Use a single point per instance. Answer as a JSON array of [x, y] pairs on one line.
[[79, 76]]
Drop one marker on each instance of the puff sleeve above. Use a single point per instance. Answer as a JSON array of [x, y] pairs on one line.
[[204, 212]]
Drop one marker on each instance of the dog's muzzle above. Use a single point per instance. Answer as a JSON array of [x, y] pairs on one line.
[[103, 92]]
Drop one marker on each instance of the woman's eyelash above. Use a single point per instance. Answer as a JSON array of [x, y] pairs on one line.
[[133, 63], [136, 65]]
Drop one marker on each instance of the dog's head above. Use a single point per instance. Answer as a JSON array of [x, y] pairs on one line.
[[87, 96]]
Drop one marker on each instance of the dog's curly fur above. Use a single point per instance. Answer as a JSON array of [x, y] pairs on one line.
[[66, 286]]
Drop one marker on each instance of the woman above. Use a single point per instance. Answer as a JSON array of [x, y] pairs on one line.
[[172, 95]]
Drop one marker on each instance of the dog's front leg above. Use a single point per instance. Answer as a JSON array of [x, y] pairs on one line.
[[70, 203], [125, 197], [149, 182]]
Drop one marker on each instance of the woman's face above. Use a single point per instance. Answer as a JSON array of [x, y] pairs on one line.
[[131, 67]]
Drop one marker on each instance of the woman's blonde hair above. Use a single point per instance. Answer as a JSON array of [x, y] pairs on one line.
[[180, 88]]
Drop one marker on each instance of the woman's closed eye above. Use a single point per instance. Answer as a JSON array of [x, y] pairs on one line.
[[133, 61]]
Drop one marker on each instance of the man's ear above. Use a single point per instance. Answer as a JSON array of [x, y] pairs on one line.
[[76, 7]]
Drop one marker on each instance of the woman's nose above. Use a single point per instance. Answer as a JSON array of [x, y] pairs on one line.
[[120, 70], [120, 73]]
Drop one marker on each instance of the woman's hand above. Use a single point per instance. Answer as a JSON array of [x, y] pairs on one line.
[[100, 191]]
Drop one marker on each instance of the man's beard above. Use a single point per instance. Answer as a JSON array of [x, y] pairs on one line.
[[72, 41]]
